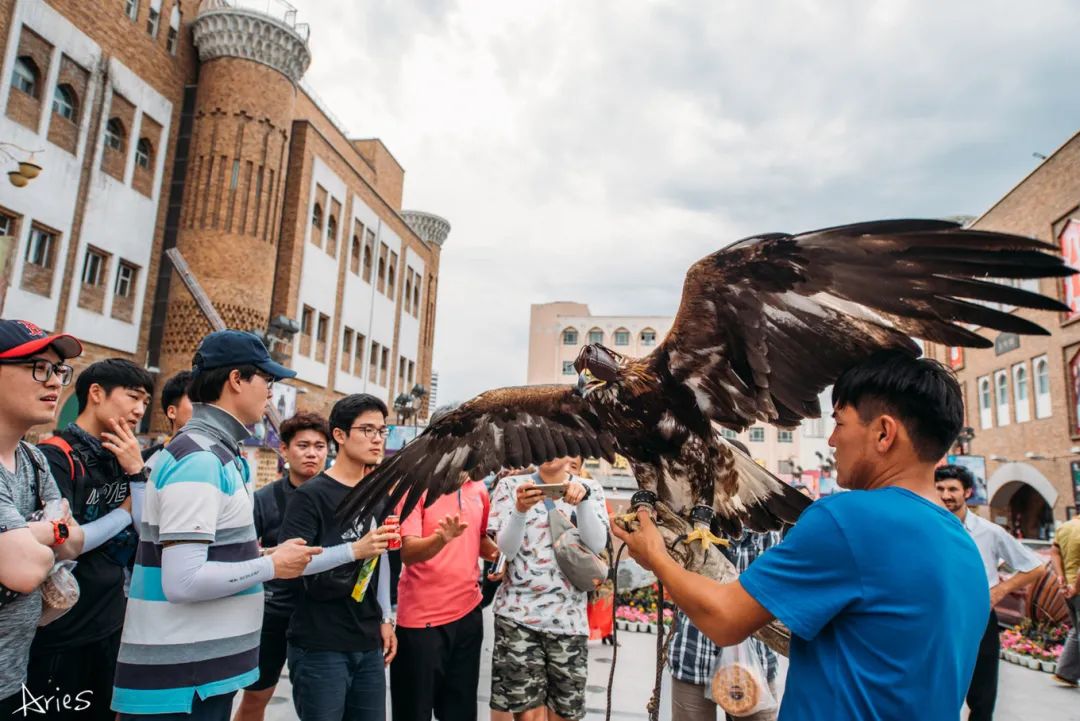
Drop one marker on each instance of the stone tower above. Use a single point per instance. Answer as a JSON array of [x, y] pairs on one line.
[[250, 64], [433, 230]]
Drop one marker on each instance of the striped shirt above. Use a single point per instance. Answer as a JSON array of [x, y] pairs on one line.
[[692, 653], [198, 491]]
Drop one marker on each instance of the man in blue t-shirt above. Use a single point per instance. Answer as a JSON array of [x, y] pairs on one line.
[[883, 590]]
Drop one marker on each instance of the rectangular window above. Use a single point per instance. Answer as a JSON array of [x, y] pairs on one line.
[[322, 332], [346, 349], [170, 40], [648, 337], [412, 374], [93, 267], [132, 9], [757, 434], [373, 370], [384, 366], [401, 371], [391, 274], [596, 336], [125, 280], [40, 248], [783, 436], [152, 21], [416, 296], [622, 337], [568, 368], [306, 318], [729, 434], [1021, 392], [814, 428], [7, 224], [384, 251], [1041, 372], [358, 354]]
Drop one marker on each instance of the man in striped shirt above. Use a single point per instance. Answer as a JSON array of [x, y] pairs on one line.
[[191, 633]]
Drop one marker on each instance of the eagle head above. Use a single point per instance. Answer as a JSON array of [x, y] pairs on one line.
[[596, 365]]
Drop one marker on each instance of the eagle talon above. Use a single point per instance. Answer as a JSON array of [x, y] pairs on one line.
[[705, 537]]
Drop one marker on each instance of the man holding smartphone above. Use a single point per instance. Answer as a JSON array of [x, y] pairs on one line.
[[541, 628]]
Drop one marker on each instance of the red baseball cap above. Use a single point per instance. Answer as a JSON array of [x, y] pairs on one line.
[[21, 338]]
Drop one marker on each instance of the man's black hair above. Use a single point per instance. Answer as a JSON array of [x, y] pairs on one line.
[[174, 389], [345, 411], [110, 374], [303, 421], [955, 473], [920, 393], [206, 386]]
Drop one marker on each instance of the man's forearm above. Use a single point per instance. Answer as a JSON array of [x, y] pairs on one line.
[[489, 550], [1017, 581], [418, 550]]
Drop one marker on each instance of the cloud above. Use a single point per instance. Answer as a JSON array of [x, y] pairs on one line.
[[592, 151]]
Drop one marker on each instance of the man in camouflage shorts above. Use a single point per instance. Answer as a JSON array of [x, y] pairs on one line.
[[531, 669], [541, 630]]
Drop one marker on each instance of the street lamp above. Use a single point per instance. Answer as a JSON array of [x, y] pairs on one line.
[[28, 169]]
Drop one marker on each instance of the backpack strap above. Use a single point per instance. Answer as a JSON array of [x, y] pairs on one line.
[[61, 443], [39, 471]]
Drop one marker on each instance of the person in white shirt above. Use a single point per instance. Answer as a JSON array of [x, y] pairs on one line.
[[996, 546]]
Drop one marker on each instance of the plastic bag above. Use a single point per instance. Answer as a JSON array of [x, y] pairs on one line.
[[738, 683], [59, 593]]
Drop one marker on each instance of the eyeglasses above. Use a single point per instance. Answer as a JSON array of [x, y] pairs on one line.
[[370, 432], [43, 369], [266, 377]]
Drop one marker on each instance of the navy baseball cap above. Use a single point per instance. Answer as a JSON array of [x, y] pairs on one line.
[[21, 338], [236, 348]]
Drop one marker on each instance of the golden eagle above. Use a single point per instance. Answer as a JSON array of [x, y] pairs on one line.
[[763, 327]]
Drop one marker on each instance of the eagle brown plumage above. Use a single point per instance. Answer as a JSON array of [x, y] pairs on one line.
[[763, 327]]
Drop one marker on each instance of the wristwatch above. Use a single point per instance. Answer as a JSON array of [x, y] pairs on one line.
[[387, 620], [60, 533]]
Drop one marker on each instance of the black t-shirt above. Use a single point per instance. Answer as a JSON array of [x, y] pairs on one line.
[[336, 623], [270, 503], [97, 486]]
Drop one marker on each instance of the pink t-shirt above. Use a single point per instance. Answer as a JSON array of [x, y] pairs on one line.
[[446, 588]]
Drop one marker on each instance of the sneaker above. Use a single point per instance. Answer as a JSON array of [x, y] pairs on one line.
[[1064, 681]]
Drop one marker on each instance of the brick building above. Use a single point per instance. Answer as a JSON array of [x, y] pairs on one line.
[[1022, 394], [179, 123]]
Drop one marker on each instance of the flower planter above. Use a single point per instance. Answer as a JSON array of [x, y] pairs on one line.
[[1048, 666], [1032, 663], [1010, 656], [620, 624], [1001, 653], [652, 628]]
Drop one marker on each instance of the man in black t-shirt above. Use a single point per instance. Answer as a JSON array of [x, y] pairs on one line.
[[176, 405], [341, 636], [305, 440], [94, 461]]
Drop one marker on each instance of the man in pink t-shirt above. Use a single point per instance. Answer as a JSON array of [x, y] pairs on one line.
[[440, 627]]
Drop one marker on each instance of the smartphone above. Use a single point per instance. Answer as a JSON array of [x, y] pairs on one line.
[[551, 490], [500, 565]]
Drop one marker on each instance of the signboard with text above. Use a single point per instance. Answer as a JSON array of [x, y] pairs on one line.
[[1070, 250], [956, 358]]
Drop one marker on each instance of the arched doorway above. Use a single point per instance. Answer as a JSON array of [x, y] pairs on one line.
[[1022, 499]]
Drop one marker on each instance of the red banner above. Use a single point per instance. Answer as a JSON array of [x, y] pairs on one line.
[[956, 358], [1070, 249]]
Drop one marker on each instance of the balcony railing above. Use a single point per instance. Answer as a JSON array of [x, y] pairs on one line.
[[277, 9]]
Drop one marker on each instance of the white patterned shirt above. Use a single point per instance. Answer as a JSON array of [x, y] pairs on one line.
[[536, 593]]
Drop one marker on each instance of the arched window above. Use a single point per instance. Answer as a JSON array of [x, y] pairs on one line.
[[621, 336], [1001, 387], [114, 135], [143, 153], [331, 229], [986, 404], [316, 217], [596, 336], [354, 256], [1043, 407], [569, 336], [367, 263], [1020, 394], [648, 337], [25, 76], [174, 30], [64, 103]]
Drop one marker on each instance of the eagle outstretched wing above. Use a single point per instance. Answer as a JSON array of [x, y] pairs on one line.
[[503, 428], [769, 322]]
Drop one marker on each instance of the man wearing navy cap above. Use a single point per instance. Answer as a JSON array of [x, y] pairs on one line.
[[191, 633], [32, 374]]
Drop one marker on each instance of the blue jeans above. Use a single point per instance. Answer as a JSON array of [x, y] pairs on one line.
[[338, 686]]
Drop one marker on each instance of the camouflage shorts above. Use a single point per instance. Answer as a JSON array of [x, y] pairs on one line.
[[532, 668]]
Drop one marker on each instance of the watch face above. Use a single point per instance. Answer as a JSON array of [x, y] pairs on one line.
[[62, 529]]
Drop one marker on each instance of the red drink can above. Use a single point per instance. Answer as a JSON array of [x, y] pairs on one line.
[[393, 520]]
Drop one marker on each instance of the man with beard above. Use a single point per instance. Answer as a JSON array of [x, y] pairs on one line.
[[954, 485]]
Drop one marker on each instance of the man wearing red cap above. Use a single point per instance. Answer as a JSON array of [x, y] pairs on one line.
[[32, 374]]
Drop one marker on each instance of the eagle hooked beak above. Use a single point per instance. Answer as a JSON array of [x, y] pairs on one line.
[[586, 382]]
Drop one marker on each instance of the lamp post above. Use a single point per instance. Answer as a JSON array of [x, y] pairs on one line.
[[28, 169]]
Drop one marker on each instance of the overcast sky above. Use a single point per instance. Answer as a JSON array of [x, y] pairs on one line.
[[591, 151]]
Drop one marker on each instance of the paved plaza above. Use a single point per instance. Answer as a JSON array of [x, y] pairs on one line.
[[1023, 695]]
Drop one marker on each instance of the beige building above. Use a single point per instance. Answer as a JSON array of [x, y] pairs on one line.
[[557, 331], [1022, 394], [184, 124]]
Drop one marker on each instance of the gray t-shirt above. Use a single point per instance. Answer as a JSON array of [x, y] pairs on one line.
[[18, 619]]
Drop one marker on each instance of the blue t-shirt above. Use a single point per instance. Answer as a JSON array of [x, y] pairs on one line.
[[886, 598]]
